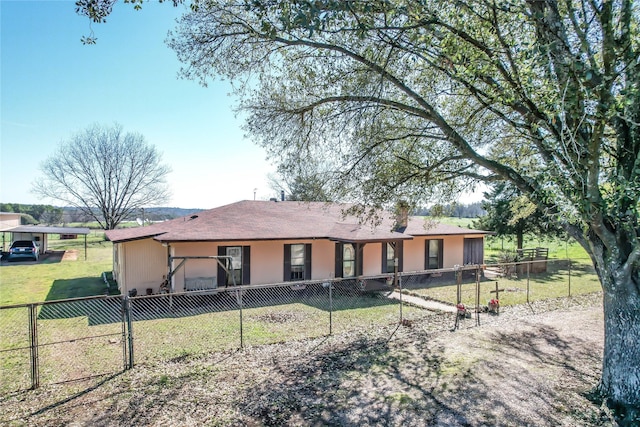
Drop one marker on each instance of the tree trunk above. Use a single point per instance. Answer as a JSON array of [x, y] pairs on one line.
[[620, 382], [519, 239]]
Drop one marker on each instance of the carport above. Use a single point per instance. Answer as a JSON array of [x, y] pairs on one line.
[[41, 235]]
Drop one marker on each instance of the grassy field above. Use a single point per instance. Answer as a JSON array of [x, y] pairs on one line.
[[53, 279], [521, 288]]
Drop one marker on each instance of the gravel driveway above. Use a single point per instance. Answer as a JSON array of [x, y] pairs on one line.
[[532, 365]]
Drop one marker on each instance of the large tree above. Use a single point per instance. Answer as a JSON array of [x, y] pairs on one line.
[[105, 173], [413, 99], [510, 213]]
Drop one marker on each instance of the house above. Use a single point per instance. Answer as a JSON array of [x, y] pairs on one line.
[[274, 242]]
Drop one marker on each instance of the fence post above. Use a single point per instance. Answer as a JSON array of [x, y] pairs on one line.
[[528, 268], [33, 338], [124, 333], [478, 295], [398, 284], [569, 277], [330, 307], [128, 318], [239, 297], [458, 284]]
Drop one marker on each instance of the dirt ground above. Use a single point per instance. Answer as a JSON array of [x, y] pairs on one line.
[[532, 365]]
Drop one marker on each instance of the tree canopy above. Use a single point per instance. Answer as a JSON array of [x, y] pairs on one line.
[[508, 212], [105, 173], [411, 100], [408, 100]]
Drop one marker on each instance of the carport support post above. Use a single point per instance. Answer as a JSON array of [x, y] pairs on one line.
[[33, 336]]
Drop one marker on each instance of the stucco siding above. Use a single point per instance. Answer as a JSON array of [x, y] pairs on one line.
[[413, 255], [323, 259], [193, 268], [144, 265], [267, 260], [372, 259], [452, 251]]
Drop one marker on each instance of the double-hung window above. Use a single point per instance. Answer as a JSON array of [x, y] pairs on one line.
[[433, 254], [235, 266], [297, 262], [237, 262]]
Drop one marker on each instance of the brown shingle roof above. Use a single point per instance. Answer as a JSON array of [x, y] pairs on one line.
[[262, 220]]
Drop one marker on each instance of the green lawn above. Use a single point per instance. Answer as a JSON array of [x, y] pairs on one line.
[[53, 279], [556, 282]]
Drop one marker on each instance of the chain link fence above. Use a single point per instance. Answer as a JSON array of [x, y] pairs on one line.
[[58, 341]]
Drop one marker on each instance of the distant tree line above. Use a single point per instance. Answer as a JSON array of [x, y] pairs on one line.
[[50, 215], [34, 214], [472, 210]]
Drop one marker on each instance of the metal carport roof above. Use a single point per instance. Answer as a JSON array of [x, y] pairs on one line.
[[37, 229]]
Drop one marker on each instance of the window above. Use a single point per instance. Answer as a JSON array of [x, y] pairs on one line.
[[391, 251], [349, 259], [235, 269], [433, 258], [297, 262], [239, 267], [391, 258], [388, 258]]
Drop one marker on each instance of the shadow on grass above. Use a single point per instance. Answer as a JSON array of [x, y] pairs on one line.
[[369, 381], [76, 288], [100, 310], [393, 387]]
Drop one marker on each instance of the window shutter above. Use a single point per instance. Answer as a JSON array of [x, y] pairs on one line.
[[307, 261], [384, 258], [222, 275], [426, 254], [399, 253], [338, 260], [246, 265], [440, 253], [287, 263], [359, 257]]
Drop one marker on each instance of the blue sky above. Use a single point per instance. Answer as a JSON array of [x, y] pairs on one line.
[[53, 86]]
